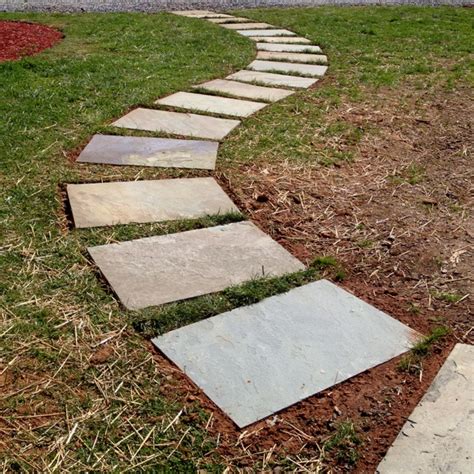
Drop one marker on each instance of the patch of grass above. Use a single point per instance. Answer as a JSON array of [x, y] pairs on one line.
[[451, 298], [344, 443], [331, 265]]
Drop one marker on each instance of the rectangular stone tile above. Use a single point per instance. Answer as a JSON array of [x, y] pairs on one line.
[[256, 360], [306, 69], [102, 204], [145, 151], [439, 435], [162, 269], [248, 91], [267, 78], [246, 26], [262, 33], [200, 14], [279, 39], [294, 48], [232, 19], [191, 125], [294, 57], [212, 103]]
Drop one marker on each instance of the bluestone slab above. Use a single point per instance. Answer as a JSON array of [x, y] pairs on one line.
[[246, 26], [438, 436], [295, 57], [248, 91], [270, 79], [276, 39], [144, 151], [295, 48], [212, 103], [200, 14], [256, 360], [101, 204], [305, 69], [274, 32], [191, 125], [158, 270]]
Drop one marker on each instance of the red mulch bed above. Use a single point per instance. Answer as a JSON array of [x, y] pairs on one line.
[[19, 39]]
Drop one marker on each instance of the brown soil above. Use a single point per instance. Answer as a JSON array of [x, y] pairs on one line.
[[19, 39]]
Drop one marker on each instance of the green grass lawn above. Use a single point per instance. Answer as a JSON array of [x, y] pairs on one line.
[[57, 410]]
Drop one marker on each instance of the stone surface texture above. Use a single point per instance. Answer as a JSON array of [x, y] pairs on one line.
[[246, 26], [438, 436], [200, 14], [278, 40], [212, 104], [175, 123], [267, 78], [294, 48], [158, 270], [144, 151], [256, 360], [275, 32], [236, 19], [296, 57], [305, 69], [102, 204]]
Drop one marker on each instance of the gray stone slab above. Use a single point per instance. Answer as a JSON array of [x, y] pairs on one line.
[[256, 360], [267, 78], [439, 435], [158, 270], [279, 39], [294, 57], [103, 204], [246, 26], [232, 19], [212, 103], [263, 33], [191, 125], [277, 66], [294, 48], [200, 14], [248, 91], [144, 151]]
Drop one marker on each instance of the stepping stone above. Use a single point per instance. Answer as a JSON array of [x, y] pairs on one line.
[[270, 79], [270, 39], [102, 204], [232, 19], [305, 69], [264, 33], [438, 436], [175, 123], [296, 57], [200, 14], [295, 48], [143, 151], [212, 103], [162, 269], [256, 360], [249, 91], [246, 26]]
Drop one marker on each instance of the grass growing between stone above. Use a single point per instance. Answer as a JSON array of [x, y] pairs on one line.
[[79, 390]]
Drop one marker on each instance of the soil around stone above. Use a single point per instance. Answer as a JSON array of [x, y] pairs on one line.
[[19, 39]]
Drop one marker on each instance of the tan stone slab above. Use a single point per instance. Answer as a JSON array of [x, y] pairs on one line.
[[276, 66], [246, 26], [283, 47], [236, 19], [212, 103], [267, 78], [279, 39], [162, 269], [293, 57], [191, 125], [200, 14], [106, 204], [248, 91], [264, 33]]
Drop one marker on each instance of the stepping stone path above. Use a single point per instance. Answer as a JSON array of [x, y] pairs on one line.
[[255, 360]]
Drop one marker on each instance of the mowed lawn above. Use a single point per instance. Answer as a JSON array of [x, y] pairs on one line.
[[79, 389]]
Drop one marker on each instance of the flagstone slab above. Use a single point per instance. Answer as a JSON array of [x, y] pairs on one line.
[[246, 26], [145, 151], [306, 69], [173, 267], [249, 91], [106, 204], [212, 103], [279, 39], [262, 33], [295, 57], [232, 19], [282, 47], [256, 360], [200, 14], [271, 79], [438, 436], [175, 123]]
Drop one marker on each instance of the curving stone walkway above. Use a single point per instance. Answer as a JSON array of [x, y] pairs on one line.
[[255, 360]]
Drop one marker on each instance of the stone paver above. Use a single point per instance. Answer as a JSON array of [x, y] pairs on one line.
[[296, 57], [256, 360], [175, 123], [236, 19], [438, 436], [200, 14], [248, 91], [212, 103], [267, 78], [306, 69], [264, 33], [104, 204], [279, 39], [144, 151], [294, 48], [158, 270], [246, 26]]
